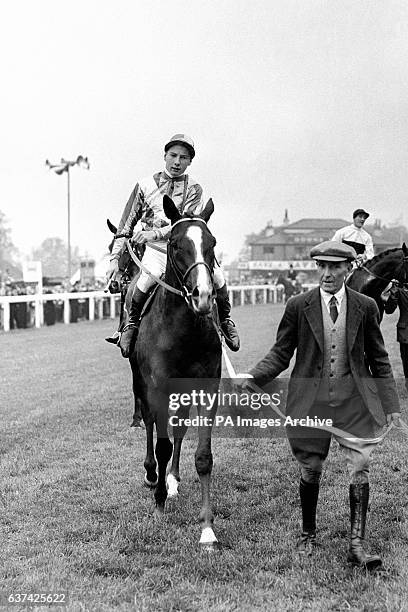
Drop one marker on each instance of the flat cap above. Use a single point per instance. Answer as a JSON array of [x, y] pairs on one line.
[[360, 211], [331, 250], [181, 139]]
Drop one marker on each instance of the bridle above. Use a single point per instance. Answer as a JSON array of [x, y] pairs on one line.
[[180, 276], [398, 283]]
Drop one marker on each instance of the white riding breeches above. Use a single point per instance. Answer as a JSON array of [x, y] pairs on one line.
[[155, 262]]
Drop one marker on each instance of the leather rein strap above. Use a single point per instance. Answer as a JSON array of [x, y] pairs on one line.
[[184, 293], [397, 283], [146, 271]]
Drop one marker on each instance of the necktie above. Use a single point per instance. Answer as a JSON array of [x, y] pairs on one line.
[[333, 309]]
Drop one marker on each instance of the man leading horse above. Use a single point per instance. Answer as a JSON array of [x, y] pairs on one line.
[[342, 372], [145, 204]]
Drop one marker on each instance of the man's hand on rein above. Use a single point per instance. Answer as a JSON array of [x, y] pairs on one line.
[[390, 288], [243, 382]]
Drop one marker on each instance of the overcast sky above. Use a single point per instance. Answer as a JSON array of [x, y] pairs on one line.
[[292, 104]]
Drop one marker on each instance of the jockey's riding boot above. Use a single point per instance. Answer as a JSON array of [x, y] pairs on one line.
[[359, 494], [228, 328], [309, 493], [130, 331], [114, 338]]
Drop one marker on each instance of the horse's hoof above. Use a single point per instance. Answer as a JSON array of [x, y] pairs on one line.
[[138, 422], [158, 512], [210, 547], [208, 541], [149, 483], [172, 486]]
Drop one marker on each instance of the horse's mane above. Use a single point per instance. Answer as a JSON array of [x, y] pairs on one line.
[[371, 262]]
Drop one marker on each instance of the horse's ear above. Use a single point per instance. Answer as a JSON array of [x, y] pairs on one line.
[[112, 227], [208, 210], [405, 249], [170, 209]]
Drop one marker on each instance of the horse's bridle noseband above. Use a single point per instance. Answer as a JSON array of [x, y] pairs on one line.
[[398, 283], [182, 278]]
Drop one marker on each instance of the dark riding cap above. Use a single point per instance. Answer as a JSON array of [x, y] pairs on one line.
[[333, 251], [181, 139], [360, 211]]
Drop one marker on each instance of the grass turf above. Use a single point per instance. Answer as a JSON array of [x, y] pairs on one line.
[[75, 516]]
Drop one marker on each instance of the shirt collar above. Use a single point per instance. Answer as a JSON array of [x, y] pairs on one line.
[[168, 176], [328, 296]]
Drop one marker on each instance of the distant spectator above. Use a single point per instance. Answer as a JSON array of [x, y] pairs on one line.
[[292, 273]]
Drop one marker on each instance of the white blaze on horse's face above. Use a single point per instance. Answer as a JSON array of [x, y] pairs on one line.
[[200, 279]]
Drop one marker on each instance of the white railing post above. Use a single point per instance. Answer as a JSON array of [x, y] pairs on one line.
[[265, 295], [91, 308], [112, 306], [242, 297], [67, 311], [37, 313], [100, 308], [6, 316]]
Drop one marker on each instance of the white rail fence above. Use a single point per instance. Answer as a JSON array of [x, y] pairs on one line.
[[99, 305]]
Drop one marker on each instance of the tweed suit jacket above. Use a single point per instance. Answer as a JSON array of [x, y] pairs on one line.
[[301, 329], [400, 299]]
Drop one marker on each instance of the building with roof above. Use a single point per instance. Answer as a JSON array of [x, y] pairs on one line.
[[276, 248]]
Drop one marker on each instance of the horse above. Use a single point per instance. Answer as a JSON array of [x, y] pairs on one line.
[[289, 288], [372, 278], [129, 272], [178, 339]]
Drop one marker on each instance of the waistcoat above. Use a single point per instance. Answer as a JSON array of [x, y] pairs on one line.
[[337, 383]]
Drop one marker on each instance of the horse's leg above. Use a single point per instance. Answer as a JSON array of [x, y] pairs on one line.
[[150, 478], [164, 449], [137, 420], [173, 477], [204, 463]]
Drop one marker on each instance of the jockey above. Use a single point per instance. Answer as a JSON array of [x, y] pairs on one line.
[[146, 204], [355, 236]]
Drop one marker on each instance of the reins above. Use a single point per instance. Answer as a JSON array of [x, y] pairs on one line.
[[333, 430], [181, 278], [143, 267], [397, 283]]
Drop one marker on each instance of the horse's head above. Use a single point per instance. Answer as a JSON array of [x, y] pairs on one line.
[[372, 278], [126, 264], [190, 260]]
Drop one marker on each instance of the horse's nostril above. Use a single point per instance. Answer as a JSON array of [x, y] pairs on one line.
[[195, 293]]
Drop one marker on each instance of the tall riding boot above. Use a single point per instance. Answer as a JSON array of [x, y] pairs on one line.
[[114, 288], [130, 331], [359, 494], [228, 327], [309, 493]]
